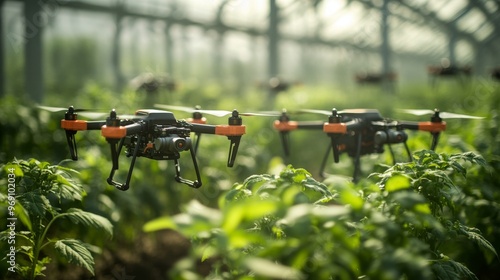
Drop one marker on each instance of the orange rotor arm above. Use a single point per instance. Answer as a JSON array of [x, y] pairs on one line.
[[285, 126], [114, 132], [74, 124], [340, 128], [432, 126], [230, 130]]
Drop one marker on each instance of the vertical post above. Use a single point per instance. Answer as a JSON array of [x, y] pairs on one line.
[[218, 52], [186, 55], [273, 34], [451, 47], [2, 54], [33, 22], [253, 46], [385, 46], [170, 48], [116, 52]]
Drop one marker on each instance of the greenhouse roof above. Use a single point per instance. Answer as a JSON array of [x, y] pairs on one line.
[[416, 26], [284, 36], [421, 27]]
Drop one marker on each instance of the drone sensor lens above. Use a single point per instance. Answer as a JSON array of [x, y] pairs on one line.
[[172, 144]]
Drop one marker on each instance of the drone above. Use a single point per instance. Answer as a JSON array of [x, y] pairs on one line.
[[150, 133], [197, 116], [359, 132]]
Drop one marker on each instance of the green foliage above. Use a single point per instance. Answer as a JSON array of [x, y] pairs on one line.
[[44, 194], [295, 227]]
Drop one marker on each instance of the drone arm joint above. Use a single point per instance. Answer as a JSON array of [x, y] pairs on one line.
[[74, 124], [230, 130], [285, 126], [336, 128], [432, 126]]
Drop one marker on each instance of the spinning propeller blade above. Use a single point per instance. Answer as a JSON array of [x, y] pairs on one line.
[[217, 113], [88, 113], [329, 112], [443, 115]]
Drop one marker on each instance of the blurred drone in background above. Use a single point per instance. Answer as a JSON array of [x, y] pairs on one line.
[[359, 132]]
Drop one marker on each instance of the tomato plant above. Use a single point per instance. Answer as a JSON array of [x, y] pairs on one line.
[[41, 196], [295, 227]]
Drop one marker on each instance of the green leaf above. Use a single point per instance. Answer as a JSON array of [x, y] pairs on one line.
[[450, 269], [67, 189], [207, 252], [76, 252], [159, 224], [475, 235], [23, 215], [232, 217], [237, 194], [408, 200], [203, 213], [13, 169], [79, 216], [266, 268], [257, 209], [350, 197], [255, 181], [35, 203], [41, 266], [397, 182]]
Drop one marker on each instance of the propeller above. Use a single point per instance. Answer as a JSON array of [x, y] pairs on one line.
[[217, 113], [88, 113], [443, 115], [329, 112]]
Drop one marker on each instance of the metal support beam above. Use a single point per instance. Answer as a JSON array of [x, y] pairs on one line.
[[186, 53], [273, 37], [452, 43], [385, 47], [219, 43], [33, 74], [116, 52], [169, 42], [218, 56]]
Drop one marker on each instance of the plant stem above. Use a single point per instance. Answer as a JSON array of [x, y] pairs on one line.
[[37, 247]]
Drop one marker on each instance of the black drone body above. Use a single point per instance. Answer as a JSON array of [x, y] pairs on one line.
[[163, 137], [149, 133], [362, 131], [153, 134]]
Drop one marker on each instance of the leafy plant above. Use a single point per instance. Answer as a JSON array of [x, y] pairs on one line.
[[44, 196], [433, 176], [295, 227]]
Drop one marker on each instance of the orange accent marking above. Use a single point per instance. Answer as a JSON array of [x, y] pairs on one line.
[[198, 121], [230, 130], [335, 128], [285, 126], [432, 126], [113, 131], [74, 124], [149, 145]]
